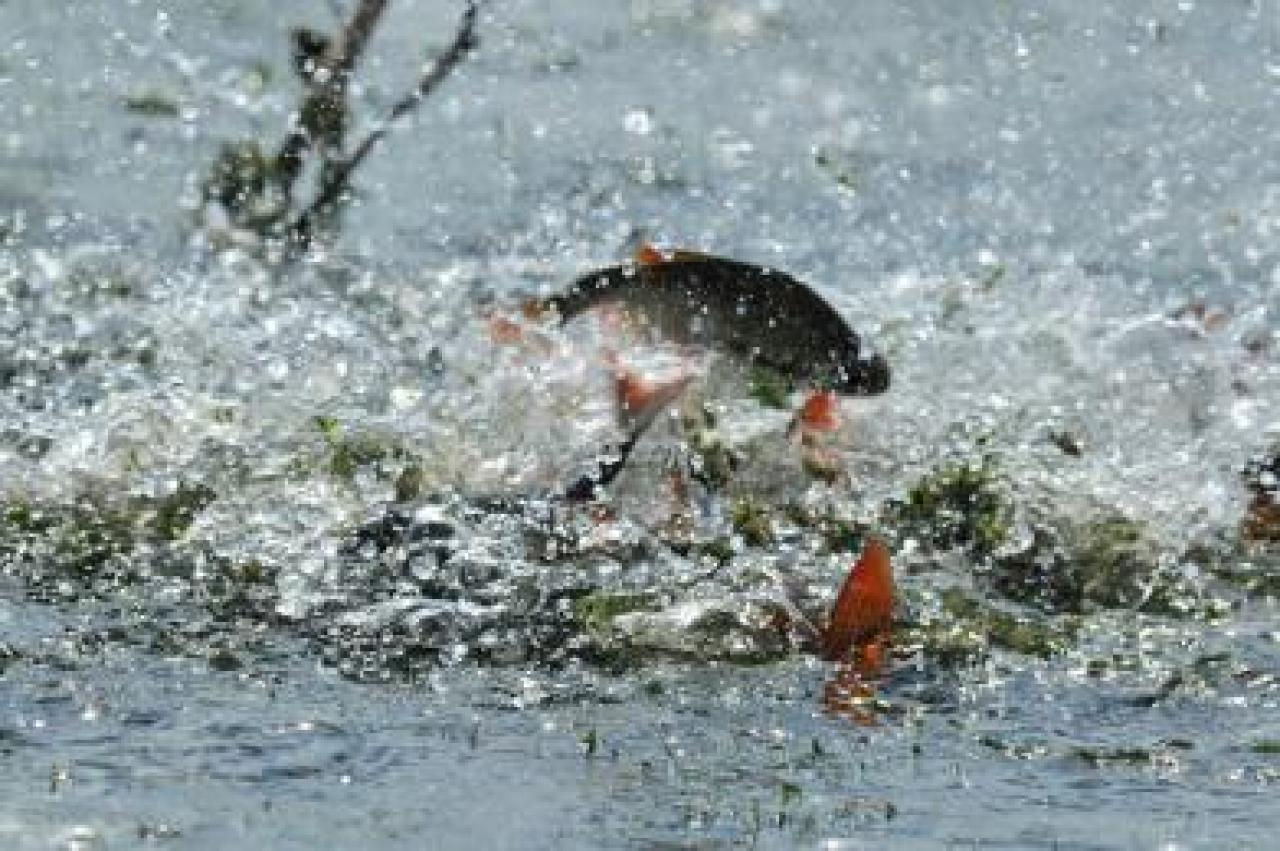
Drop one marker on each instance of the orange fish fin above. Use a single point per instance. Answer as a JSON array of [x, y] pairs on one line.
[[650, 255], [868, 658], [639, 400], [504, 331], [863, 610], [820, 412]]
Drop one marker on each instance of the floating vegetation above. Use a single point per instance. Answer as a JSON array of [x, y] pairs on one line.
[[960, 504], [152, 104], [1103, 561], [752, 522], [714, 461], [93, 545], [597, 610], [348, 454], [769, 387], [982, 624]]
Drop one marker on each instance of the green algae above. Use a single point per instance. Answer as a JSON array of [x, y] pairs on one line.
[[967, 628], [1104, 560], [714, 461], [1102, 757], [769, 387], [719, 550], [1107, 560], [836, 533], [1112, 558], [94, 539], [753, 522], [956, 505], [1005, 630], [597, 610], [349, 453], [171, 516], [1256, 581]]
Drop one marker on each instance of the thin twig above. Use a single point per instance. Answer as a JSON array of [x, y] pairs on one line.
[[336, 182], [320, 122]]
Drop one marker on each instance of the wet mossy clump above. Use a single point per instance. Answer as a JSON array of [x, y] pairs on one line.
[[964, 629], [1029, 636], [1105, 561], [959, 505], [753, 522], [349, 453], [91, 545], [1065, 559], [243, 181], [596, 611], [770, 388]]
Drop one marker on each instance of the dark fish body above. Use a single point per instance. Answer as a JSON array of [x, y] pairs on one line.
[[758, 315]]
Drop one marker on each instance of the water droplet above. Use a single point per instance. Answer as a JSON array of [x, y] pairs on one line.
[[639, 120]]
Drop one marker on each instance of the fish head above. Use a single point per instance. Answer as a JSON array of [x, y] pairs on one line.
[[856, 376]]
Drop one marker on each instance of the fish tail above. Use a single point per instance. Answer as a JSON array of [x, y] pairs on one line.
[[863, 610]]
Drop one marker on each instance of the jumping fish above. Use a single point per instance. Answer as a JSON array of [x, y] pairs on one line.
[[754, 313]]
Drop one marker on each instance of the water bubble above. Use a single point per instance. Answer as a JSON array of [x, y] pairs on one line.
[[405, 396], [639, 120]]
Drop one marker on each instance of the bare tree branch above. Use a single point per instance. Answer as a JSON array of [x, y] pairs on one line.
[[320, 123], [335, 182]]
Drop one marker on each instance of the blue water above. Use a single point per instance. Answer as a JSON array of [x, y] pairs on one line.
[[1012, 202]]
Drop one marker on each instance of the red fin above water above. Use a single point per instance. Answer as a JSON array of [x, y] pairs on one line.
[[639, 401], [820, 412], [504, 331], [862, 615], [508, 332], [651, 255]]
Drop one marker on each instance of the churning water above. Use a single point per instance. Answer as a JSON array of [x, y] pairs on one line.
[[281, 558]]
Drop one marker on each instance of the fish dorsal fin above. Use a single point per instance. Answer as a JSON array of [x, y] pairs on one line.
[[863, 611], [651, 255]]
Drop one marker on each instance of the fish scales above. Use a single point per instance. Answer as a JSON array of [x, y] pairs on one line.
[[760, 315]]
